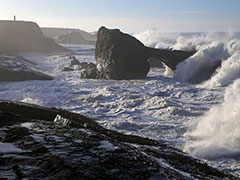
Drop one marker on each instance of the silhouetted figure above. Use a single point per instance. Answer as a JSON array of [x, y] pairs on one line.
[[14, 18]]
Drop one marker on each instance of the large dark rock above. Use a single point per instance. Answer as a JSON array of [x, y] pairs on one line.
[[155, 63], [21, 36], [121, 56], [73, 38], [16, 68], [43, 143]]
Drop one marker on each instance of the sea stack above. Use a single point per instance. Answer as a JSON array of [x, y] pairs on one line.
[[121, 56]]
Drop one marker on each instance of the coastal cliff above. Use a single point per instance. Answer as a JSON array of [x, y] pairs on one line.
[[23, 36]]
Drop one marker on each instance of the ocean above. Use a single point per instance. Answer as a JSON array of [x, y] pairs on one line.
[[200, 119]]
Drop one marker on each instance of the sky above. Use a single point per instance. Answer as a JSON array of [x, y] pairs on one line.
[[131, 16]]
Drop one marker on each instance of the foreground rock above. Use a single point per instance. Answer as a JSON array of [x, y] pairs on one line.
[[16, 68], [43, 143], [21, 36], [73, 38], [121, 56]]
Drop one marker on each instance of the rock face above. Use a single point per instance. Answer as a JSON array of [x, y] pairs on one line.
[[21, 36], [155, 63], [16, 68], [42, 143], [121, 56], [73, 38]]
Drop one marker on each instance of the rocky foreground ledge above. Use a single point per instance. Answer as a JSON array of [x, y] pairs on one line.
[[43, 143]]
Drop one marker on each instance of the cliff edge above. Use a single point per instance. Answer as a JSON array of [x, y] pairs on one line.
[[23, 36]]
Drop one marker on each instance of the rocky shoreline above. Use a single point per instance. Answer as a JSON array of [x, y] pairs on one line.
[[49, 143]]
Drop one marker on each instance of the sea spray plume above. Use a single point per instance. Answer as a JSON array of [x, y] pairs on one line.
[[212, 47], [189, 43], [230, 68], [217, 133], [229, 71], [197, 40], [233, 46], [156, 39], [202, 64]]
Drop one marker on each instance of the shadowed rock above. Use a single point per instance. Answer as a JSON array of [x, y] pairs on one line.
[[56, 144], [87, 69], [16, 68], [205, 73], [21, 36], [121, 56]]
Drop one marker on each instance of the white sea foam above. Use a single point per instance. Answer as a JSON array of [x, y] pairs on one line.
[[32, 100], [157, 107], [217, 133]]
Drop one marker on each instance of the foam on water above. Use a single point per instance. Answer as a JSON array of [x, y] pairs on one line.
[[158, 107]]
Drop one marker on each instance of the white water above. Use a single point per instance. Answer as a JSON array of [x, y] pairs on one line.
[[200, 119], [217, 134]]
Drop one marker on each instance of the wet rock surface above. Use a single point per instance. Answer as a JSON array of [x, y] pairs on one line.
[[16, 68], [43, 143], [87, 69]]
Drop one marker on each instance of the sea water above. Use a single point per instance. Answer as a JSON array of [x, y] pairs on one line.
[[202, 120]]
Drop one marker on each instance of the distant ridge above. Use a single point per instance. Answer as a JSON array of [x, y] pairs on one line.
[[54, 32]]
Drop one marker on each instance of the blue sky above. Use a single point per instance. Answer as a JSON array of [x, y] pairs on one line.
[[128, 15]]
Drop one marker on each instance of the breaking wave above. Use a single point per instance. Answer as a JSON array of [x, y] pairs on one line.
[[212, 48], [217, 133]]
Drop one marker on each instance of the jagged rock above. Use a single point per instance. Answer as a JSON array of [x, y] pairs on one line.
[[16, 68], [73, 38], [68, 69], [121, 56], [76, 147], [21, 36], [87, 70], [74, 61]]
